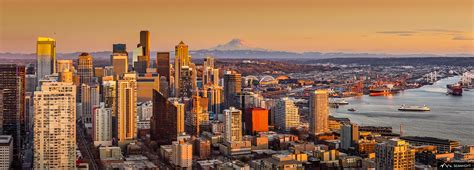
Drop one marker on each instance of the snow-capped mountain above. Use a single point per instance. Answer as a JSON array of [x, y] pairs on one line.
[[235, 45]]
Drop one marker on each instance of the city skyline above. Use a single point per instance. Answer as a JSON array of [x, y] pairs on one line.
[[437, 27], [309, 84]]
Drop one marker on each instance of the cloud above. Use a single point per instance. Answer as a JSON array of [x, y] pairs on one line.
[[396, 32], [439, 30], [462, 37], [404, 34]]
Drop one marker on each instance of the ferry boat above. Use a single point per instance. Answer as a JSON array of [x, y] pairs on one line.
[[423, 108], [454, 89], [339, 102]]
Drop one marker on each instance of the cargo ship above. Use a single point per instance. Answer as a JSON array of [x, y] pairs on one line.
[[454, 89], [380, 91], [414, 108]]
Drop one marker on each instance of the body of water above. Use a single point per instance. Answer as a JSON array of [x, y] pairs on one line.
[[451, 117]]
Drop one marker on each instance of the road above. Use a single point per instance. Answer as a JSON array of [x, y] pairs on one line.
[[84, 146]]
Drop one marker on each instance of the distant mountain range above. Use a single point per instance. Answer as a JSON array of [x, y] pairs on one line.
[[237, 48]]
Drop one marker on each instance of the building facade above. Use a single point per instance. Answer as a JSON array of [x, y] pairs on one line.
[[394, 154], [55, 126], [286, 114], [232, 125], [127, 107], [319, 112], [46, 57], [12, 121]]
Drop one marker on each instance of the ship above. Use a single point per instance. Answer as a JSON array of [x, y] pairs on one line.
[[383, 91], [351, 109], [339, 102], [454, 89], [423, 108]]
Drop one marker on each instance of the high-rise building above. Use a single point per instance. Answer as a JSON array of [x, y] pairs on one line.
[[120, 64], [163, 64], [208, 70], [85, 69], [12, 83], [102, 125], [198, 117], [90, 99], [63, 65], [232, 125], [187, 81], [394, 154], [109, 71], [286, 114], [167, 121], [256, 120], [213, 93], [55, 126], [127, 107], [145, 86], [46, 57], [181, 59], [6, 151], [349, 135], [137, 52], [319, 112], [232, 86], [164, 86], [109, 94], [145, 43], [182, 154], [140, 66], [66, 76], [119, 48]]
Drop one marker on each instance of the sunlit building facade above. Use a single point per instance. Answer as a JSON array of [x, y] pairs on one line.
[[55, 126], [46, 57], [319, 112], [127, 107]]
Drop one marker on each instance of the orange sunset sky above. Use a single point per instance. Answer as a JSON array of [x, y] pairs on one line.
[[379, 26]]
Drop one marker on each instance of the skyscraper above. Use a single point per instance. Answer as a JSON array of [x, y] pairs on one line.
[[102, 125], [65, 65], [127, 107], [119, 48], [319, 112], [286, 114], [136, 53], [85, 69], [208, 70], [394, 154], [163, 64], [232, 125], [109, 87], [120, 64], [181, 59], [90, 99], [46, 57], [12, 83], [198, 117], [85, 72], [167, 121], [349, 135], [55, 126], [145, 43], [187, 82], [232, 86], [213, 93]]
